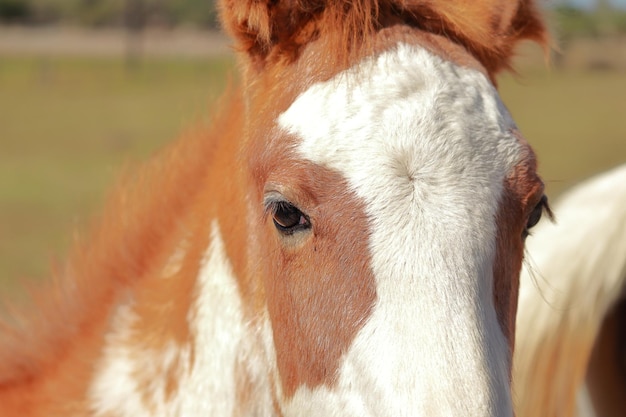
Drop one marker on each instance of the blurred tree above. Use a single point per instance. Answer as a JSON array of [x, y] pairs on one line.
[[14, 11], [200, 13], [572, 22], [100, 12], [134, 21]]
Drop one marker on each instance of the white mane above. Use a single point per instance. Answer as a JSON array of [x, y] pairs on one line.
[[574, 274]]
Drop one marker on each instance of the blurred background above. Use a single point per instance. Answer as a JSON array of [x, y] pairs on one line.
[[89, 86]]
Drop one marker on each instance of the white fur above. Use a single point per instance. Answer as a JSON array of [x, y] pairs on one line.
[[576, 270], [175, 261], [426, 144], [223, 344], [115, 390]]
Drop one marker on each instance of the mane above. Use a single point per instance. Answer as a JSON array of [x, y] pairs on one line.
[[275, 31], [575, 275], [142, 215]]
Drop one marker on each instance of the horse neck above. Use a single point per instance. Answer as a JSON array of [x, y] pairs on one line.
[[135, 295]]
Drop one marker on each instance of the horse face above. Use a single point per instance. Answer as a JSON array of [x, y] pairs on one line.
[[393, 200]]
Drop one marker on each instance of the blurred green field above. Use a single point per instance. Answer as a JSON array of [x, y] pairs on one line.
[[68, 124], [575, 121]]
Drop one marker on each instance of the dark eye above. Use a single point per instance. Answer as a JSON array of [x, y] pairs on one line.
[[288, 219], [536, 214]]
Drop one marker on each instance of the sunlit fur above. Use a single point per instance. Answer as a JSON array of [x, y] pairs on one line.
[[574, 276], [397, 296], [411, 189]]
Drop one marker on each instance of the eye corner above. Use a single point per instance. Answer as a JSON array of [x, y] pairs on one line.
[[536, 214]]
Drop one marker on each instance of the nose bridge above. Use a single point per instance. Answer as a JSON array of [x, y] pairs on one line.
[[435, 321], [421, 356], [460, 359]]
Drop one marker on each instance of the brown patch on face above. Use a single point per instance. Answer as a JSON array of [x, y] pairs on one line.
[[319, 286], [521, 193]]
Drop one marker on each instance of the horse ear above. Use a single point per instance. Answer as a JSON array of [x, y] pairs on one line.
[[257, 26], [490, 29], [528, 23]]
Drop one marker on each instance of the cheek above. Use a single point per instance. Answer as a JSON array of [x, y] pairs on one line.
[[508, 263], [319, 296]]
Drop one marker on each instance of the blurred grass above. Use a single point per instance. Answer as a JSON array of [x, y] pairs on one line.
[[575, 121], [66, 127], [67, 124]]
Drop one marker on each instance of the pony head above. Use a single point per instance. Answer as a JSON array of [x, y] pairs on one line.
[[388, 195]]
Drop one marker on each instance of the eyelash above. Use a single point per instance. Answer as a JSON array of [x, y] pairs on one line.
[[287, 218], [541, 208]]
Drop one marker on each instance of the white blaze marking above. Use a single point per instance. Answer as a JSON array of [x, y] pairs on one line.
[[427, 145], [206, 379]]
